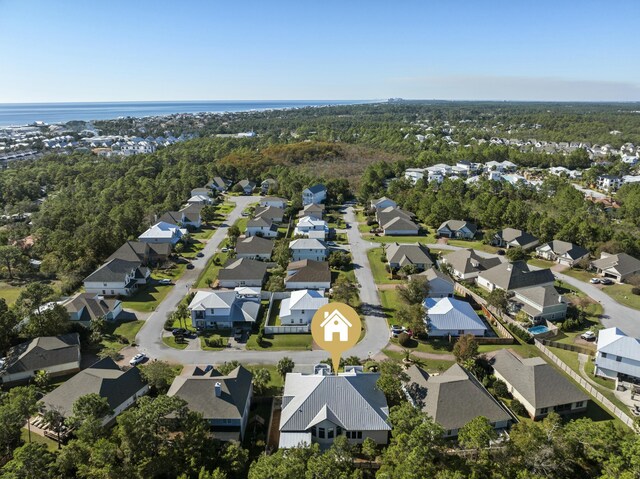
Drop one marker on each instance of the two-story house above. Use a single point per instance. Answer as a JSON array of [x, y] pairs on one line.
[[223, 309], [311, 228], [618, 356], [314, 194], [116, 278], [300, 307], [313, 249]]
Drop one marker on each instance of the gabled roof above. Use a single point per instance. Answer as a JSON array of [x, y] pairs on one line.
[[543, 296], [399, 224], [268, 212], [615, 342], [91, 306], [240, 309], [218, 182], [42, 353], [457, 225], [310, 222], [307, 244], [519, 237], [254, 245], [622, 263], [408, 254], [247, 184], [315, 189], [350, 400], [564, 248], [455, 397], [172, 217], [243, 269], [162, 229], [536, 380], [451, 313], [103, 378], [134, 251], [260, 223], [468, 261], [304, 299], [198, 389], [516, 275], [113, 271], [308, 271]]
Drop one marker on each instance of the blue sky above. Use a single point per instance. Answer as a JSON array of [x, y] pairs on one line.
[[119, 50]]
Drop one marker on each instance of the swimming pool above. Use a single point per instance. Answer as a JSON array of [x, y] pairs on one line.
[[538, 330]]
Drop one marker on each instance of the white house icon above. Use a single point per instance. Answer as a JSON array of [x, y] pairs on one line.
[[335, 323]]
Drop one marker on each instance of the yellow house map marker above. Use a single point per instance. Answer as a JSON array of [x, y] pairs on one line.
[[336, 328]]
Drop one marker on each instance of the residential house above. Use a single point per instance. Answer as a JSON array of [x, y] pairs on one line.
[[254, 247], [414, 174], [300, 307], [313, 210], [314, 195], [269, 213], [396, 222], [163, 232], [222, 400], [618, 356], [242, 272], [200, 192], [516, 275], [540, 303], [218, 184], [452, 317], [457, 229], [189, 218], [538, 385], [120, 388], [401, 255], [85, 307], [440, 284], [313, 249], [246, 186], [267, 185], [57, 355], [308, 274], [224, 309], [609, 183], [512, 238], [261, 227], [311, 228], [619, 266], [200, 200], [466, 264], [274, 201], [453, 398], [317, 408], [116, 278], [382, 203], [562, 252], [146, 254]]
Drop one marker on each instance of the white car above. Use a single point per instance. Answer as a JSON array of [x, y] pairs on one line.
[[594, 281], [137, 359], [588, 336], [225, 249], [165, 281]]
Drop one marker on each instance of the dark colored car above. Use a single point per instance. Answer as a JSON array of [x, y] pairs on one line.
[[179, 332], [199, 254], [190, 266], [500, 252]]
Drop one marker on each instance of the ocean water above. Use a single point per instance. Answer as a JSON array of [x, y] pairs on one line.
[[26, 113]]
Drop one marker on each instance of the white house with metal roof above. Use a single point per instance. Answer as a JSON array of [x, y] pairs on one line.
[[452, 317], [224, 309], [300, 307], [314, 194], [163, 232], [317, 408], [618, 356]]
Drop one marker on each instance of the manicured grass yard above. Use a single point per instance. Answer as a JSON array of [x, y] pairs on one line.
[[479, 245], [390, 303], [171, 342], [579, 274], [211, 271], [147, 298], [623, 295], [192, 249], [113, 330], [36, 438], [9, 292], [380, 275], [242, 224], [427, 239], [282, 342], [204, 234], [540, 263], [430, 365], [276, 383]]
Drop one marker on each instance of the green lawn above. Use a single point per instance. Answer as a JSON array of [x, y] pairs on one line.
[[204, 234], [224, 340], [193, 248], [242, 223], [226, 207], [541, 263], [171, 342], [282, 342], [390, 303], [210, 273], [114, 330], [579, 274], [380, 275], [430, 365], [9, 292], [623, 295], [147, 298], [479, 245], [36, 438], [276, 383], [427, 239]]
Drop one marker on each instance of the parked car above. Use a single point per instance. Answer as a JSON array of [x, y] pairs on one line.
[[237, 334], [500, 252], [594, 281], [396, 330], [179, 332], [165, 281], [199, 254], [606, 281], [225, 249], [137, 359], [588, 336], [190, 266]]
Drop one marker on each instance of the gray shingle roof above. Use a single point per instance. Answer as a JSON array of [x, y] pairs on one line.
[[573, 251], [622, 263], [254, 245], [308, 271], [113, 271], [91, 306], [243, 269], [536, 380], [455, 397], [104, 378], [516, 275], [351, 401], [42, 353], [519, 237], [407, 254], [198, 389], [456, 225], [316, 188], [467, 261]]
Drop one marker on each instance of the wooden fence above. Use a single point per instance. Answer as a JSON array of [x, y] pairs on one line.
[[613, 409], [505, 336], [568, 347]]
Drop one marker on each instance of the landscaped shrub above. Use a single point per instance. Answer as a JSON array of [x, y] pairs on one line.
[[214, 341], [404, 339], [635, 290], [500, 388], [520, 333], [168, 324], [518, 408], [571, 324]]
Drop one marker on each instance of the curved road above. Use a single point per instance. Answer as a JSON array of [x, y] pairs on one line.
[[149, 338]]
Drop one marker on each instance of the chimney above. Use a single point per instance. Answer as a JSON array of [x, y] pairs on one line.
[[218, 388]]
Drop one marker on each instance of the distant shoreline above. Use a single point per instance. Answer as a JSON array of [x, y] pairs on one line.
[[20, 114]]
